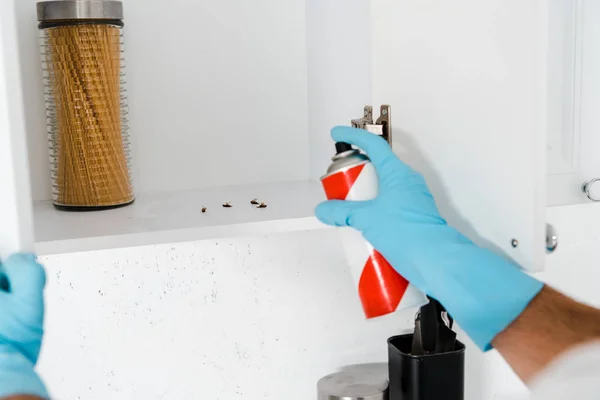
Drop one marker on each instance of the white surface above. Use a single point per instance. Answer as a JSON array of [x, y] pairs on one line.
[[467, 83], [16, 229], [177, 216], [255, 318], [574, 375], [339, 71], [217, 93], [565, 189], [590, 90], [252, 318], [579, 227], [567, 141], [575, 97], [564, 84]]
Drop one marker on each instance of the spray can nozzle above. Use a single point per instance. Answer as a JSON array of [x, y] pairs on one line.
[[433, 333], [341, 147]]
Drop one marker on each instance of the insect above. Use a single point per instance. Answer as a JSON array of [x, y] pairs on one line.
[[262, 205], [227, 204], [254, 201], [203, 209]]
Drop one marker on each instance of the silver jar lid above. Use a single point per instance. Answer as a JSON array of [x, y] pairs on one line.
[[79, 9], [360, 382]]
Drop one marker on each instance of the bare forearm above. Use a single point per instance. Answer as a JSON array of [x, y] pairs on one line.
[[551, 324]]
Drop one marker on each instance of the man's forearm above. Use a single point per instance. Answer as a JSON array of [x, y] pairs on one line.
[[551, 324]]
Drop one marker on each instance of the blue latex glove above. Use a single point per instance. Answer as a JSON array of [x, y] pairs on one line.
[[22, 282], [484, 292]]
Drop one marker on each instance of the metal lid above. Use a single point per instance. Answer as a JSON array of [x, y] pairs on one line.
[[79, 9], [360, 382], [344, 160]]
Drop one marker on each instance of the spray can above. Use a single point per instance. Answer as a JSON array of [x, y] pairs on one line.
[[351, 176]]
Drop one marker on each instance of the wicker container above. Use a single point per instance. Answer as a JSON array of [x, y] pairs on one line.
[[86, 103]]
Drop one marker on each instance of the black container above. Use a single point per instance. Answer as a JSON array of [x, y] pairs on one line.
[[426, 377]]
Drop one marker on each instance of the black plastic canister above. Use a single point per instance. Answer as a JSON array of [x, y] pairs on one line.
[[439, 376]]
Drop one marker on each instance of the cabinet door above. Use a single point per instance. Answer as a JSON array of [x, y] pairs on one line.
[[467, 83], [16, 231], [573, 139]]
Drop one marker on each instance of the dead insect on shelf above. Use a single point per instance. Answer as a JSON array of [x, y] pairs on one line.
[[227, 204], [203, 209], [262, 205], [254, 201]]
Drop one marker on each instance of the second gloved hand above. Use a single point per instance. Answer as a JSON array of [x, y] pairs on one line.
[[483, 291], [22, 282]]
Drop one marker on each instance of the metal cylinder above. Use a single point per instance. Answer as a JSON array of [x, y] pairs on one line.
[[87, 115], [359, 382], [79, 9]]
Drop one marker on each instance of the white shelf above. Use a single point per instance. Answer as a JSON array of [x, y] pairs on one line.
[[177, 217]]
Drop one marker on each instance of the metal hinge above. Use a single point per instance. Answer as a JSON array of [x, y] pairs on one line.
[[381, 127]]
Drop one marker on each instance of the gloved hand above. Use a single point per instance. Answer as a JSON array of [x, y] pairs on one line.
[[22, 282], [483, 291]]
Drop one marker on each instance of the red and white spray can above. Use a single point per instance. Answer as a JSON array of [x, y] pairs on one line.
[[381, 289]]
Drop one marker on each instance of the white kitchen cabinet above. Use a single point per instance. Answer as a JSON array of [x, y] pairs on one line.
[[234, 100], [574, 87], [16, 230]]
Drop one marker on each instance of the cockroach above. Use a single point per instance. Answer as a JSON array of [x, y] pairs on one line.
[[262, 205], [227, 204], [254, 201]]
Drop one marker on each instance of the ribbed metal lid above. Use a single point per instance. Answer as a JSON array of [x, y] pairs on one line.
[[364, 382], [345, 160], [79, 9]]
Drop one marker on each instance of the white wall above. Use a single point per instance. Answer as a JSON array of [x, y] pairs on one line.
[[246, 318], [209, 84], [249, 318]]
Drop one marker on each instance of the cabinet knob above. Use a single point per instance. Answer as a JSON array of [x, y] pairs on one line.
[[551, 238], [592, 189]]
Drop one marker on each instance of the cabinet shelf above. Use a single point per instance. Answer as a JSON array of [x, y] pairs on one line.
[[177, 217], [250, 99]]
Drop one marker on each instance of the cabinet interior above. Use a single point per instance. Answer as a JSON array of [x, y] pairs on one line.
[[229, 102]]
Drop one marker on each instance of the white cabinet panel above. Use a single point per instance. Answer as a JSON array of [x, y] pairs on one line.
[[590, 90], [563, 90], [16, 231], [574, 98], [467, 81], [217, 92], [338, 70]]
